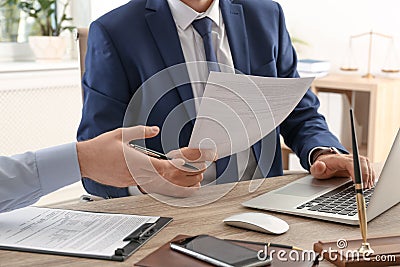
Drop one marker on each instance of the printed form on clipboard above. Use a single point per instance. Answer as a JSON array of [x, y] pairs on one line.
[[77, 233]]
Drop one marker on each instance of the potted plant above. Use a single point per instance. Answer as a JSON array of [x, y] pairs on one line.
[[13, 45], [9, 20], [51, 23]]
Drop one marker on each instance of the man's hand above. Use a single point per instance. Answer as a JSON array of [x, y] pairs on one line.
[[341, 165], [102, 158], [108, 159], [175, 179], [167, 177]]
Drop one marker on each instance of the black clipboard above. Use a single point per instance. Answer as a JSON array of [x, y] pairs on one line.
[[139, 237], [136, 239]]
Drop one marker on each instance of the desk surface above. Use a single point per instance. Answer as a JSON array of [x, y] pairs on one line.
[[303, 232]]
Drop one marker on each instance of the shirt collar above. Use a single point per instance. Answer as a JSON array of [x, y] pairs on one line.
[[185, 15]]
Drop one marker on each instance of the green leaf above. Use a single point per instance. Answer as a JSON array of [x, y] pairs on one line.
[[44, 13], [9, 3], [70, 28], [299, 41]]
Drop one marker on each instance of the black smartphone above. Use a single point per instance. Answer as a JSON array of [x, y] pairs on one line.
[[219, 252]]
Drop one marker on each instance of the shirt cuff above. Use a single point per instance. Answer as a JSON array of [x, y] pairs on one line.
[[134, 191], [319, 147], [57, 167]]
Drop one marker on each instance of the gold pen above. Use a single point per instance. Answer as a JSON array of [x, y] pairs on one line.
[[361, 208]]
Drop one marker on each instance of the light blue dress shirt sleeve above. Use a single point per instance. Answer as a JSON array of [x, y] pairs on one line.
[[26, 177]]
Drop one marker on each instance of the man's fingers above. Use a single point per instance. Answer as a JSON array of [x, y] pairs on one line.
[[139, 132], [342, 166], [175, 173], [197, 186], [178, 162], [174, 179], [193, 154], [365, 173], [318, 169], [370, 183], [201, 166], [373, 181]]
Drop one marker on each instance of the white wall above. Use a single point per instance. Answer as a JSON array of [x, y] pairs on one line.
[[327, 25], [99, 7], [85, 11]]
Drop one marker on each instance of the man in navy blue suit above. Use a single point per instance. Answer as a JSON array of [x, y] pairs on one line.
[[132, 43]]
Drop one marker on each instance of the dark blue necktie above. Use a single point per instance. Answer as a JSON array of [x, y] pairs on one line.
[[227, 170], [203, 27]]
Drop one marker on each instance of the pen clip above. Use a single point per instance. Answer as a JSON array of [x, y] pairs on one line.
[[146, 151]]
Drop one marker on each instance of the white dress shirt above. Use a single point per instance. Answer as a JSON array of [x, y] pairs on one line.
[[193, 51], [26, 177]]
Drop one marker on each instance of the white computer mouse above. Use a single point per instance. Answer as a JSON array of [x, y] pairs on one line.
[[256, 221]]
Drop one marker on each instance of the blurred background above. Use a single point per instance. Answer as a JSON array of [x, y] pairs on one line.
[[40, 99]]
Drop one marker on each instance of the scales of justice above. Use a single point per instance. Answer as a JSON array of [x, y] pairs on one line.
[[391, 62]]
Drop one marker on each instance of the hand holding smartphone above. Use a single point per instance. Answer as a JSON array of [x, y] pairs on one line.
[[218, 252]]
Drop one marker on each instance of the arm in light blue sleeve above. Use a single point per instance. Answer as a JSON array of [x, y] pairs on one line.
[[26, 177]]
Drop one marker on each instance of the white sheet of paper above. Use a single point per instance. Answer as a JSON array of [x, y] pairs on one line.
[[238, 110], [68, 231]]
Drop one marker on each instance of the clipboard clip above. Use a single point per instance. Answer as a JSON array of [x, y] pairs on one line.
[[145, 231], [139, 236]]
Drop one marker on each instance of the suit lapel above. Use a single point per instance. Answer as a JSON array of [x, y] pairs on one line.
[[236, 30], [163, 28]]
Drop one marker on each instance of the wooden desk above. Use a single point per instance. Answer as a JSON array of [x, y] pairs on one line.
[[303, 232], [381, 117]]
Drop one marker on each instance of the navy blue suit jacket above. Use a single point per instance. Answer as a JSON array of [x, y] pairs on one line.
[[130, 44]]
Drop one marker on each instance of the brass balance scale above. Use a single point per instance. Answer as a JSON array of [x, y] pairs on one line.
[[391, 58]]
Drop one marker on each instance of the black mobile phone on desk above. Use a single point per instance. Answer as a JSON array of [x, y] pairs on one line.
[[218, 252]]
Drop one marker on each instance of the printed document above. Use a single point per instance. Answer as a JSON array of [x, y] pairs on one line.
[[236, 110], [67, 231]]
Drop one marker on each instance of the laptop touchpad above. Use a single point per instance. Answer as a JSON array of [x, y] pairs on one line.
[[301, 190]]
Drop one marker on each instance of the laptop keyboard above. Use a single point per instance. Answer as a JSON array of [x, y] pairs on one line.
[[341, 201]]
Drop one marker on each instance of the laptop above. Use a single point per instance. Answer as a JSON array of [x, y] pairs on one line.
[[334, 199]]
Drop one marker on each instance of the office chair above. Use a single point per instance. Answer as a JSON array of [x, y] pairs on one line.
[[81, 37]]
